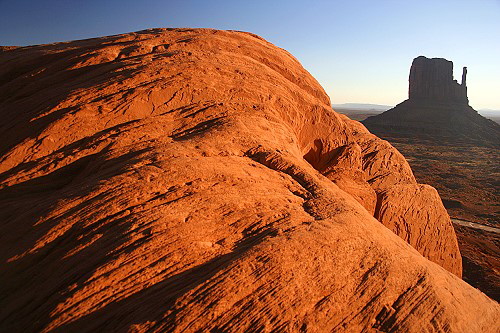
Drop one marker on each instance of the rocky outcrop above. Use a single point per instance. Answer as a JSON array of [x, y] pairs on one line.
[[437, 109], [432, 80], [197, 180], [399, 209]]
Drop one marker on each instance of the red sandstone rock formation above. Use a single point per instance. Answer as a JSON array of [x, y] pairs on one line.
[[399, 208], [199, 181], [437, 109]]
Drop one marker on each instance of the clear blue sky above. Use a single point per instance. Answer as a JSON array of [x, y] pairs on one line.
[[359, 50]]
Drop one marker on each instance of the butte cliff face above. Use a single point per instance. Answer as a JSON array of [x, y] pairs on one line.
[[431, 80], [437, 108], [199, 181]]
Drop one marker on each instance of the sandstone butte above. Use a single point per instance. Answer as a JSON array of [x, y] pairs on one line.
[[437, 109], [195, 180]]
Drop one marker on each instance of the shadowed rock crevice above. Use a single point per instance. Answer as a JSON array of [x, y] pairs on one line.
[[196, 180]]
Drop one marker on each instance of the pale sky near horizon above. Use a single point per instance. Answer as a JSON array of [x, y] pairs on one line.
[[360, 50]]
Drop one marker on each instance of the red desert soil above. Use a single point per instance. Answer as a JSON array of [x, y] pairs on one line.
[[480, 250], [199, 181]]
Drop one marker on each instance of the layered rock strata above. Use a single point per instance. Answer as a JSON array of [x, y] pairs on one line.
[[195, 180]]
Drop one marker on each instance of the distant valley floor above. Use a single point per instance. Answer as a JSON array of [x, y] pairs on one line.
[[362, 114]]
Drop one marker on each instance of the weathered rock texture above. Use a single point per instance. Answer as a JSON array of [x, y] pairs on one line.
[[198, 181], [437, 108]]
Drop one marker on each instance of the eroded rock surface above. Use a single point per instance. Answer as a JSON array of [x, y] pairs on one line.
[[198, 180], [399, 208]]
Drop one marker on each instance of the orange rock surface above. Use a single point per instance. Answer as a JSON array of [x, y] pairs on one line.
[[195, 180]]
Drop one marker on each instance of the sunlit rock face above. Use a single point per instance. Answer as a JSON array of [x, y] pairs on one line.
[[198, 180]]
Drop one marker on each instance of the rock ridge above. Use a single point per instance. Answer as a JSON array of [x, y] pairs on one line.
[[197, 180]]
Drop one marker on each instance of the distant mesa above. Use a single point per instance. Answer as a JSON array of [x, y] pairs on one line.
[[437, 107], [431, 80]]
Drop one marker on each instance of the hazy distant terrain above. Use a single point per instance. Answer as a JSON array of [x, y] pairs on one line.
[[491, 114], [362, 107], [361, 111]]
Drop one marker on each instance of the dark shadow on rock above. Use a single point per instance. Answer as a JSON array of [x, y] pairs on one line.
[[21, 207]]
